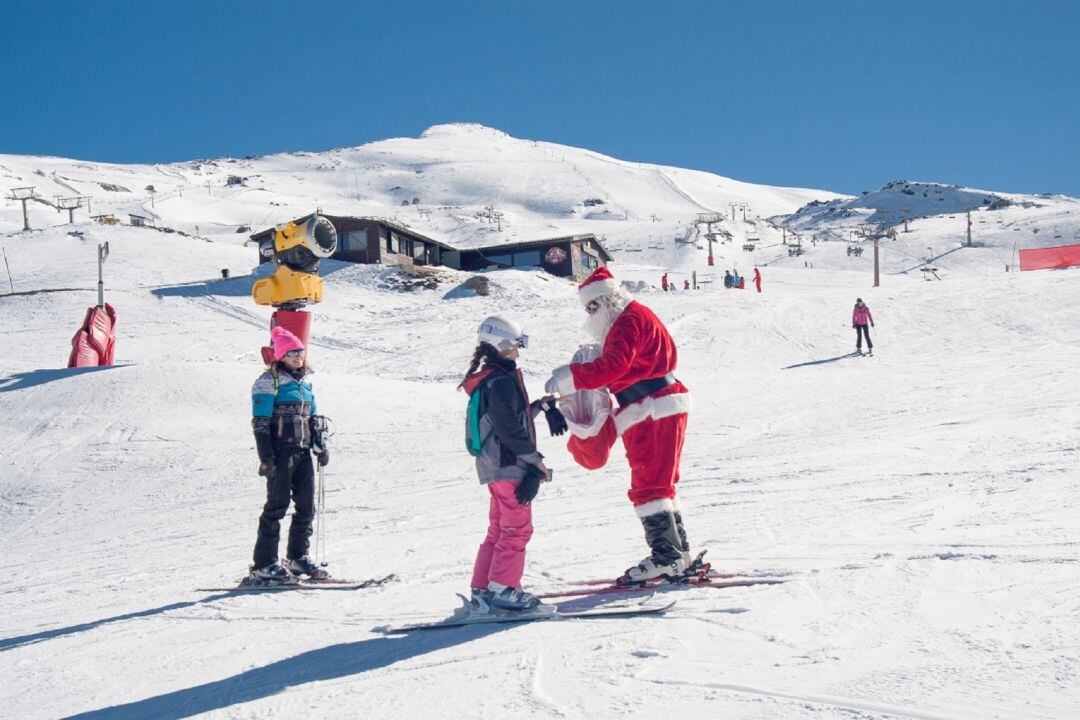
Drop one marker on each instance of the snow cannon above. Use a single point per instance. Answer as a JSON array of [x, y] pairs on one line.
[[296, 250]]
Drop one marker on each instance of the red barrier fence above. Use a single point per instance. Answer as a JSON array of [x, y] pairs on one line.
[[1061, 256]]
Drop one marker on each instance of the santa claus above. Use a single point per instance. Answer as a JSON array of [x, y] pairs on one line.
[[635, 363]]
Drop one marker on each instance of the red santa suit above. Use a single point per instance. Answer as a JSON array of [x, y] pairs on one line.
[[636, 363]]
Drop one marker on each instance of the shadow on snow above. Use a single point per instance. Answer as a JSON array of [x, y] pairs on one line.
[[21, 381], [14, 642], [822, 362], [328, 663]]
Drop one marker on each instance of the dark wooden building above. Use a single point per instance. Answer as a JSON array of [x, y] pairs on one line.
[[370, 240], [572, 256], [378, 240]]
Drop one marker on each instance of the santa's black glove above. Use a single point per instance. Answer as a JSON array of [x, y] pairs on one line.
[[526, 490], [323, 457], [555, 420], [268, 469]]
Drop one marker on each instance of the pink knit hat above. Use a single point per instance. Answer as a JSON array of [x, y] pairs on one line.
[[598, 284], [284, 341]]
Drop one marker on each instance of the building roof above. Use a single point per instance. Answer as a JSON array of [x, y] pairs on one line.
[[511, 247], [473, 247]]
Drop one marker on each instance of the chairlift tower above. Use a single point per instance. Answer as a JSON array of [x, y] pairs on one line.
[[906, 213], [70, 204], [744, 207], [23, 194]]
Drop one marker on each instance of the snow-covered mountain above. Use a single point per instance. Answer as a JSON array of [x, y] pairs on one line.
[[470, 185], [921, 505], [441, 183]]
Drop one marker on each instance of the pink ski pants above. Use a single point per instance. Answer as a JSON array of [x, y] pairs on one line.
[[502, 554]]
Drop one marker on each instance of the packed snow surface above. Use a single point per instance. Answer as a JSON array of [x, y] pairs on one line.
[[921, 504]]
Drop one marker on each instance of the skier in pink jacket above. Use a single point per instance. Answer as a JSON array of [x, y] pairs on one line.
[[860, 315]]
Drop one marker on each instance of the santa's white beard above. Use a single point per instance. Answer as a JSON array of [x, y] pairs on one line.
[[599, 323]]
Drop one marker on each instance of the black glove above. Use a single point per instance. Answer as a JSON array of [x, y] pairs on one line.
[[526, 490], [264, 446], [323, 457], [555, 420]]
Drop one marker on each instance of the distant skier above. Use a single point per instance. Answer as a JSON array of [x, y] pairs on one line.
[[729, 280], [664, 282], [501, 434], [636, 364], [757, 279], [860, 315], [287, 427], [685, 284]]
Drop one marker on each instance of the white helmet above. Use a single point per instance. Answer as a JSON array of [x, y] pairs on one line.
[[502, 333]]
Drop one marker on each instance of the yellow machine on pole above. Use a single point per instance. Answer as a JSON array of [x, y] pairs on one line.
[[297, 250]]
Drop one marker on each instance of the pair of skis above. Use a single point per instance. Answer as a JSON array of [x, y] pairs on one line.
[[704, 580], [467, 615], [327, 584], [699, 574]]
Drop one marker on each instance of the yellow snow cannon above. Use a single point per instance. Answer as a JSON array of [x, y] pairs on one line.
[[297, 250]]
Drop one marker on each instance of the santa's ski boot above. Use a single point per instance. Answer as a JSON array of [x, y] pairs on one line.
[[306, 566], [649, 569], [269, 576], [667, 559]]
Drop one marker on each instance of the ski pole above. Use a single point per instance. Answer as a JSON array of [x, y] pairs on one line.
[[9, 273], [320, 520]]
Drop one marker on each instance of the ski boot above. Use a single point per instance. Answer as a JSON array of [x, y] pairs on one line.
[[650, 569], [667, 559], [269, 576], [513, 599], [480, 601], [306, 566]]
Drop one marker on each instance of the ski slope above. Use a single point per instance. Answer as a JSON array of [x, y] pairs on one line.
[[922, 504]]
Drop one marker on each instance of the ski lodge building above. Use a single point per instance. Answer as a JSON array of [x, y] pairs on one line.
[[378, 240]]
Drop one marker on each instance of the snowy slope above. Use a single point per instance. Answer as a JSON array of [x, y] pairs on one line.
[[921, 504]]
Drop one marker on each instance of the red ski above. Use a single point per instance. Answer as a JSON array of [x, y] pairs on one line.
[[663, 585]]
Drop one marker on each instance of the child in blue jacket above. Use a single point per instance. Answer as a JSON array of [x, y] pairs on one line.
[[287, 430]]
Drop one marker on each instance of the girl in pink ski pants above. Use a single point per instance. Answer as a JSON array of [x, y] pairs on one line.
[[502, 554]]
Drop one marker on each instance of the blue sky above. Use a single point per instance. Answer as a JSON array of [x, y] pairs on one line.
[[844, 95]]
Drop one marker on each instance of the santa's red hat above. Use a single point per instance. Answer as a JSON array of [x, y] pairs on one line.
[[598, 284]]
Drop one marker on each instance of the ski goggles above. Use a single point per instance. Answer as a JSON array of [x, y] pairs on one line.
[[294, 353]]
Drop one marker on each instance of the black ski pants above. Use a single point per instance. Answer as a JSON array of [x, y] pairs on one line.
[[295, 479], [860, 331]]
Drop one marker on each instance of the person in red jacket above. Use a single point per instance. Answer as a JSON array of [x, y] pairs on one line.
[[636, 364], [757, 279], [664, 282]]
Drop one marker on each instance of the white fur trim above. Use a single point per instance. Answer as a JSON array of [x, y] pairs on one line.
[[655, 506], [595, 289], [651, 407]]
